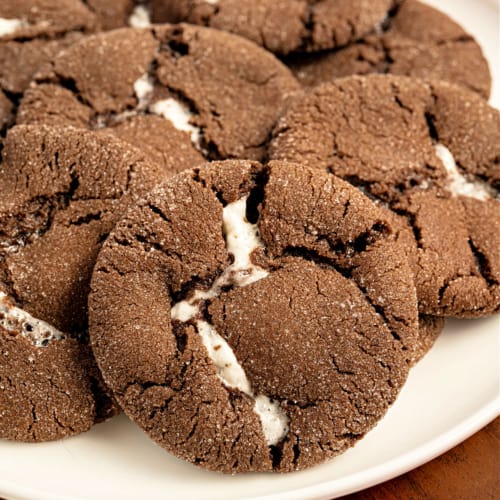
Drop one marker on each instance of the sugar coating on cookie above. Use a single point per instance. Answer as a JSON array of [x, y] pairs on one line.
[[56, 209], [415, 39], [282, 27], [32, 32], [426, 150], [203, 82], [271, 336]]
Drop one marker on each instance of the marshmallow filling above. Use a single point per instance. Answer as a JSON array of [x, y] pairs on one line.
[[14, 319], [458, 184], [242, 239]]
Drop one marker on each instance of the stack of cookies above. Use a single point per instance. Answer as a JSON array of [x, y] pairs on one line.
[[240, 222]]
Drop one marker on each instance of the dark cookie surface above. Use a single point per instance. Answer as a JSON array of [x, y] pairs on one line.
[[61, 191], [281, 26], [416, 40], [429, 329], [111, 14], [428, 151], [32, 32], [222, 93], [253, 318]]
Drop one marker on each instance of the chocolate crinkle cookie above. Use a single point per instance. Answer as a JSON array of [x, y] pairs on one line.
[[216, 93], [254, 318], [430, 153], [281, 26], [415, 40], [61, 191], [32, 32]]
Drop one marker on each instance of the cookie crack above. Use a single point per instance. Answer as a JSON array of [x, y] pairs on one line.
[[158, 211], [430, 120], [388, 22], [482, 264], [67, 83], [416, 229], [43, 209], [45, 37], [345, 249], [8, 281], [363, 185], [398, 100], [15, 100], [342, 267], [443, 289], [460, 39], [34, 419], [257, 196], [384, 66], [87, 219], [104, 403], [306, 38]]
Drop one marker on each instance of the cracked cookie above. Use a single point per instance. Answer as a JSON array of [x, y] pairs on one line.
[[61, 191], [253, 318], [415, 40], [430, 152], [281, 26], [217, 94], [32, 32]]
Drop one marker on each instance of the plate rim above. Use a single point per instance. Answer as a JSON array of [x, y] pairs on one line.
[[396, 466], [346, 485]]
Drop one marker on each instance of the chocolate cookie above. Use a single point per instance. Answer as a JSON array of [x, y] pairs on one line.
[[281, 26], [112, 14], [222, 93], [6, 111], [429, 152], [32, 32], [61, 191], [415, 40], [253, 318], [429, 329]]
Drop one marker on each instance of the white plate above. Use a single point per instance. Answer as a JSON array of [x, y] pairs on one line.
[[451, 394]]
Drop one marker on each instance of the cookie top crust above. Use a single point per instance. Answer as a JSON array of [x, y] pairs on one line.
[[219, 93], [32, 32], [281, 26], [253, 318], [61, 191], [427, 151], [415, 40], [27, 19]]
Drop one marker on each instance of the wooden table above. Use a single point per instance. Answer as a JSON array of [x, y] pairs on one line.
[[470, 471]]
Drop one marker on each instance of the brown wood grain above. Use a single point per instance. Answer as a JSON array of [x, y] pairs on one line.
[[470, 471]]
